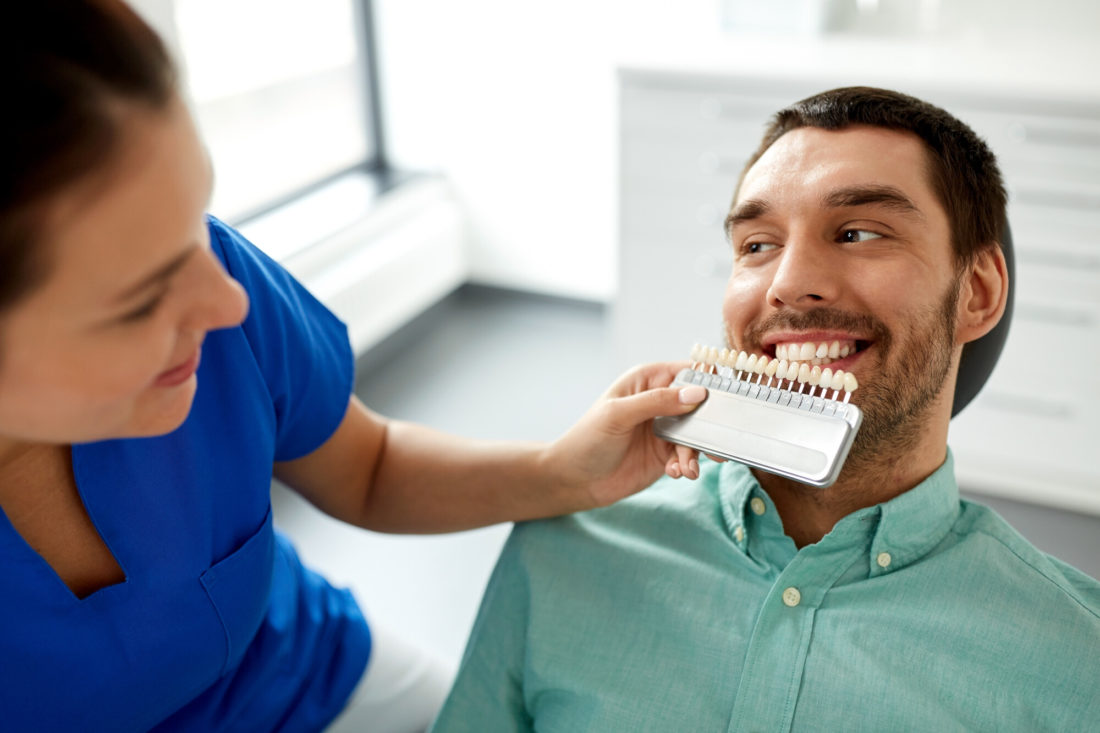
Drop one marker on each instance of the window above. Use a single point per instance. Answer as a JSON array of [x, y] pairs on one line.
[[284, 95]]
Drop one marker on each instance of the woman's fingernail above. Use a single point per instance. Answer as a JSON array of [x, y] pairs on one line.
[[693, 394]]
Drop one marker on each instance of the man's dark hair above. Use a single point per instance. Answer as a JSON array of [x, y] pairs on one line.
[[71, 70], [962, 169]]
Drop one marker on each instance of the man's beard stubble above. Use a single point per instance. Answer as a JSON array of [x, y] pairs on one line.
[[896, 401]]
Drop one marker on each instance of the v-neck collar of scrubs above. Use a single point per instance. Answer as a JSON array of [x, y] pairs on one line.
[[58, 589]]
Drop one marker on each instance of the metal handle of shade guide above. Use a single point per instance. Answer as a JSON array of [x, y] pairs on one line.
[[805, 438]]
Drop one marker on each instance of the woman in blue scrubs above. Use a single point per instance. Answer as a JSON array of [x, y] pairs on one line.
[[156, 370]]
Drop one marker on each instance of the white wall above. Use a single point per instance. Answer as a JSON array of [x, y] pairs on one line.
[[515, 102]]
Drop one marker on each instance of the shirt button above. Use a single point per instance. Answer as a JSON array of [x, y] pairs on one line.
[[883, 559], [739, 533], [758, 507], [792, 597]]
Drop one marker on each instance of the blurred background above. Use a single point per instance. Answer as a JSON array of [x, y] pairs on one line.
[[510, 203]]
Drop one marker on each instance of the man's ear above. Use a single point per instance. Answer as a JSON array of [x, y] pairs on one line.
[[983, 295]]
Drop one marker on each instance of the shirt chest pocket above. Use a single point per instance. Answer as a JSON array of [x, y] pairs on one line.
[[239, 587]]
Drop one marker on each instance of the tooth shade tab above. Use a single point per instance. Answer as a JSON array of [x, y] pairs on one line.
[[826, 377], [760, 365], [739, 363], [850, 383], [803, 372], [837, 381], [792, 370], [815, 376], [750, 363]]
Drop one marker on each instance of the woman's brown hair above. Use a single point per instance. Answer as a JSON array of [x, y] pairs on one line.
[[70, 67]]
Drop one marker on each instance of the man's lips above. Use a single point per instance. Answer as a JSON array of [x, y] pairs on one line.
[[180, 373]]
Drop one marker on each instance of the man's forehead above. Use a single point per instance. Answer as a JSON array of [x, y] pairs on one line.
[[812, 158]]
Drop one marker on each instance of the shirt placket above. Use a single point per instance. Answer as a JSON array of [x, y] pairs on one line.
[[772, 673]]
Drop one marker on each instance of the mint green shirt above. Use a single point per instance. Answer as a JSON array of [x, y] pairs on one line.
[[687, 609]]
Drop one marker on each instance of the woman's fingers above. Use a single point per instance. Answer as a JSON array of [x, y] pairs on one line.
[[683, 463]]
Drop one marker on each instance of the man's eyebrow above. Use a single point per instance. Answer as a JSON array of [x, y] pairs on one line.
[[746, 211], [159, 275], [885, 196]]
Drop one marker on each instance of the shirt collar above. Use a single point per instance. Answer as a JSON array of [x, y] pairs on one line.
[[913, 523], [897, 532]]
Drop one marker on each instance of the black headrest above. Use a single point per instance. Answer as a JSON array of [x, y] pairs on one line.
[[980, 356]]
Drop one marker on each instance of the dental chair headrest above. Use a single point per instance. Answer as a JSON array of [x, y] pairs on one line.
[[979, 357]]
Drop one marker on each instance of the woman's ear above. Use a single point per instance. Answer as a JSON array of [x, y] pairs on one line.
[[983, 295]]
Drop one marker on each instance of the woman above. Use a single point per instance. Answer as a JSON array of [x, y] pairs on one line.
[[156, 370]]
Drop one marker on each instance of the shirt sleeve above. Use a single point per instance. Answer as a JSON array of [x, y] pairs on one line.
[[488, 691], [301, 348]]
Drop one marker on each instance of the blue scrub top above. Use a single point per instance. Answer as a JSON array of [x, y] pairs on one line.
[[218, 626]]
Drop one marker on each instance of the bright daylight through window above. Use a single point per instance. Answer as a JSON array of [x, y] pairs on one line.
[[282, 105]]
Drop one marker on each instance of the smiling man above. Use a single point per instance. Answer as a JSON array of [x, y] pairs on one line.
[[865, 231]]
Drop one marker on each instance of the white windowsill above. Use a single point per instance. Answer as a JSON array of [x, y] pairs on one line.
[[377, 261]]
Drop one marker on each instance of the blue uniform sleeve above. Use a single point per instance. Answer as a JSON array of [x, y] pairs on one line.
[[301, 348], [488, 692]]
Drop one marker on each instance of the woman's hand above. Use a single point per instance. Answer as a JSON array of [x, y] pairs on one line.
[[611, 452]]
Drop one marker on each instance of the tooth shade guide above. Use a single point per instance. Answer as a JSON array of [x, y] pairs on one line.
[[739, 367], [803, 437]]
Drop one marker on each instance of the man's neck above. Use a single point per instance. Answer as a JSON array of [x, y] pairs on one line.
[[876, 476]]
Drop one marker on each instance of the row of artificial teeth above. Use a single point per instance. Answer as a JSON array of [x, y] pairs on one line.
[[793, 371], [813, 353]]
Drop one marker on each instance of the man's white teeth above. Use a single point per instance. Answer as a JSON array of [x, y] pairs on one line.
[[815, 352]]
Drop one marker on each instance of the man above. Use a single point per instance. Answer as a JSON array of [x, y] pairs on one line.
[[746, 601]]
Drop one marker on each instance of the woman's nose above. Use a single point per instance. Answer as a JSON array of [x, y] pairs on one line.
[[805, 276], [221, 301]]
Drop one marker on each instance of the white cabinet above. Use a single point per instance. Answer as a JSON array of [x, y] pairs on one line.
[[1034, 431]]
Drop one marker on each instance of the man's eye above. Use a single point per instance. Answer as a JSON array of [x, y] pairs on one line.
[[753, 248], [858, 235]]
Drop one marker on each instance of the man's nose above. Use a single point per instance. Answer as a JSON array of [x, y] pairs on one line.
[[806, 274]]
